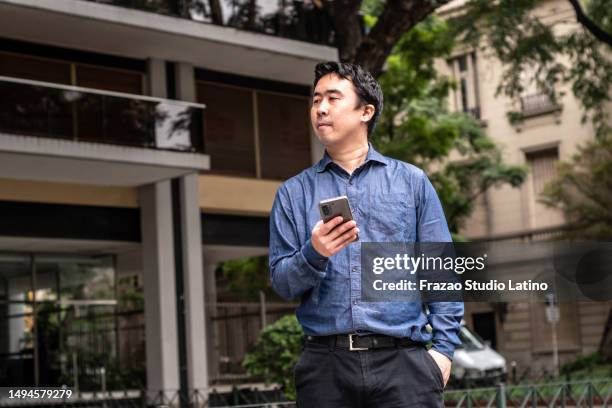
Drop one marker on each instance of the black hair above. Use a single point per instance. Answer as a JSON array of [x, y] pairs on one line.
[[366, 86]]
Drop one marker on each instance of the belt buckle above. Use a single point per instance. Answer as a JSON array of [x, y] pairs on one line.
[[351, 348]]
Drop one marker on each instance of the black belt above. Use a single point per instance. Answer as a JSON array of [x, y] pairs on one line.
[[353, 342]]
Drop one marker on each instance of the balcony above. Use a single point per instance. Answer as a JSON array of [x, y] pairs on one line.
[[295, 20], [538, 104], [113, 138], [146, 30], [66, 112]]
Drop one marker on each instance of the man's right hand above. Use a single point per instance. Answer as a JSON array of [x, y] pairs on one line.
[[328, 240]]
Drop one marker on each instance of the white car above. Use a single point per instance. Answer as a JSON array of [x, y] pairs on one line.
[[475, 362]]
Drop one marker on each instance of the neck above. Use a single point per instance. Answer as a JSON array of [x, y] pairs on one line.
[[349, 157]]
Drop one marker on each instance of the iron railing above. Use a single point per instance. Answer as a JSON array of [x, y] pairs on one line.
[[595, 393], [591, 394]]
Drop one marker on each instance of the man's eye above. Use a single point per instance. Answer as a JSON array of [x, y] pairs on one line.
[[314, 102], [333, 98]]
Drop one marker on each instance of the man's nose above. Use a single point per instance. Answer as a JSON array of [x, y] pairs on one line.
[[322, 108]]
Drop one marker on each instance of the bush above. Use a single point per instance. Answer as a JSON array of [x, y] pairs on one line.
[[276, 353]]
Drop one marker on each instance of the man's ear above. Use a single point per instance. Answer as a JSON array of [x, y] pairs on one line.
[[368, 112]]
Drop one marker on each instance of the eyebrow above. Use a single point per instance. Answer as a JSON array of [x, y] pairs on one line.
[[329, 91]]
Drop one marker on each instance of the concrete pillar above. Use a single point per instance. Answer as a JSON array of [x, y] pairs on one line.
[[159, 287], [210, 296], [185, 82], [193, 275], [193, 278], [156, 78]]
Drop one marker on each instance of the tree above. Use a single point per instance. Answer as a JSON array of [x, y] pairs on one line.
[[558, 55], [509, 30], [244, 278], [582, 190], [575, 59], [416, 127]]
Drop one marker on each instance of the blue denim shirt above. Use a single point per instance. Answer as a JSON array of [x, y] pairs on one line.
[[392, 201]]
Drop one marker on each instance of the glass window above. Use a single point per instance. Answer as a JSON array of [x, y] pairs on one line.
[[228, 128], [109, 79], [470, 340], [16, 321], [34, 110], [284, 135], [60, 323], [466, 97], [38, 69]]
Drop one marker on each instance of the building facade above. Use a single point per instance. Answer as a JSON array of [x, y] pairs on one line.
[[142, 143], [546, 133]]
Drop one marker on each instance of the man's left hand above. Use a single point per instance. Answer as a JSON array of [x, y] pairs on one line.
[[444, 363]]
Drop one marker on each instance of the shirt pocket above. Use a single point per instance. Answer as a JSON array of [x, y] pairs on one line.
[[388, 213]]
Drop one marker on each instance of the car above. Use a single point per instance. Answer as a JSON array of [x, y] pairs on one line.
[[475, 363]]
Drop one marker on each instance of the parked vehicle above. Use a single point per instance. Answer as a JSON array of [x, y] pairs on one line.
[[475, 362]]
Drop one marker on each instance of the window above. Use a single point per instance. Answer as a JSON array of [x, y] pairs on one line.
[[51, 112], [465, 98], [229, 136], [59, 322], [70, 73], [38, 69], [255, 133], [110, 79], [284, 135], [111, 120], [542, 169]]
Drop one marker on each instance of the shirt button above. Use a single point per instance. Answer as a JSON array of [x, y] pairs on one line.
[[354, 269], [354, 302]]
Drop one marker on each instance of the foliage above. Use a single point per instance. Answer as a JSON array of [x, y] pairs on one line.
[[417, 127], [276, 353], [558, 55], [582, 362], [582, 190], [246, 277]]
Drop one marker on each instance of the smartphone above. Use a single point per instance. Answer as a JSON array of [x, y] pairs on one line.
[[333, 207]]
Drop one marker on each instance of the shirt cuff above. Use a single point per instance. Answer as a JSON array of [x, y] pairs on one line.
[[316, 260], [444, 347]]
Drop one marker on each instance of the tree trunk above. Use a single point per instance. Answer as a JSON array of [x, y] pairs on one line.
[[347, 26], [216, 12], [372, 51]]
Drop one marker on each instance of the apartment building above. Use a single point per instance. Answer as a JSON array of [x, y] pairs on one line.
[[141, 143], [546, 133]]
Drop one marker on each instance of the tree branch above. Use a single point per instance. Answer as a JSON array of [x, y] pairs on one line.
[[590, 25], [398, 17]]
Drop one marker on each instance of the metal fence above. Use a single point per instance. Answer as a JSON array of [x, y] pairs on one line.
[[595, 393]]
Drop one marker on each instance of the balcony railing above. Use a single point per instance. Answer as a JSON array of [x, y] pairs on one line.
[[538, 104], [298, 20], [56, 111]]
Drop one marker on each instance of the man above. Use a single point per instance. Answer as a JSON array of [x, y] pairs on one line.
[[319, 263]]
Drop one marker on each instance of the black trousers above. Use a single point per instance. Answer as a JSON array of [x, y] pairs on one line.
[[394, 377]]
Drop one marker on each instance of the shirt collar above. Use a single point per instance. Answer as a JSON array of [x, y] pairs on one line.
[[372, 155]]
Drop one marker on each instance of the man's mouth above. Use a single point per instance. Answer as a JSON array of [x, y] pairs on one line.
[[320, 125]]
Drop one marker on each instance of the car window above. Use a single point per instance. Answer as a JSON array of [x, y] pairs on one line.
[[470, 340]]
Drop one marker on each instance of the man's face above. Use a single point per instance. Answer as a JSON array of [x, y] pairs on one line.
[[335, 113]]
